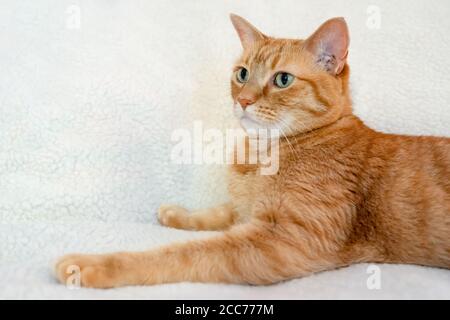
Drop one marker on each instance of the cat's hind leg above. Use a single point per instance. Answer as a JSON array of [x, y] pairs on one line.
[[215, 218]]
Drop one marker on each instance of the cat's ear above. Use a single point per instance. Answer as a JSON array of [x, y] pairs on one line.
[[329, 45], [247, 33]]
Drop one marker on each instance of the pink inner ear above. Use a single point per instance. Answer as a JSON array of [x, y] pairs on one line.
[[330, 45]]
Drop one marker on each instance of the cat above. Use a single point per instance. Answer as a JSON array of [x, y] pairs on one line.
[[343, 194]]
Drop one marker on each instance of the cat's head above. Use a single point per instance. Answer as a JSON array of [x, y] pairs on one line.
[[291, 85]]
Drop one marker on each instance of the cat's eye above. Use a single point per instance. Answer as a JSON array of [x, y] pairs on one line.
[[283, 80], [242, 75]]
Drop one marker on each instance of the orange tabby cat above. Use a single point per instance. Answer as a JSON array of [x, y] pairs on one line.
[[343, 194]]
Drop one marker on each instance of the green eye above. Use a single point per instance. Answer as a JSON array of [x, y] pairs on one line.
[[283, 80], [242, 75]]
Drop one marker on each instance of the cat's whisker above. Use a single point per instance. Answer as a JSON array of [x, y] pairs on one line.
[[287, 139]]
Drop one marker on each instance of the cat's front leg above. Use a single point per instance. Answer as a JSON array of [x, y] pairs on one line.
[[251, 253], [215, 218], [98, 270]]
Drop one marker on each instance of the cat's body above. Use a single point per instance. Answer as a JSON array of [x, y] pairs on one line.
[[343, 193], [367, 195]]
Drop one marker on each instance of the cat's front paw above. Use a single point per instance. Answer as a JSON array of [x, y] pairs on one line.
[[174, 216], [92, 271]]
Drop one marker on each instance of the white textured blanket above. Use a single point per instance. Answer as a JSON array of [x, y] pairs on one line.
[[90, 92]]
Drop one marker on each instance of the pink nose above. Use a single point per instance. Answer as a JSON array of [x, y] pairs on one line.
[[245, 102]]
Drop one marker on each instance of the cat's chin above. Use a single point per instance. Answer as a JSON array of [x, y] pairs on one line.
[[250, 125], [255, 128], [246, 122]]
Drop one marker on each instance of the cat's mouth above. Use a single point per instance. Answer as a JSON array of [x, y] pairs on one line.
[[255, 127], [249, 121]]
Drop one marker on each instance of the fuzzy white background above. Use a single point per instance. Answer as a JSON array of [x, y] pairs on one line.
[[90, 92]]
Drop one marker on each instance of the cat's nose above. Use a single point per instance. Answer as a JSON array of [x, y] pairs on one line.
[[245, 102]]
